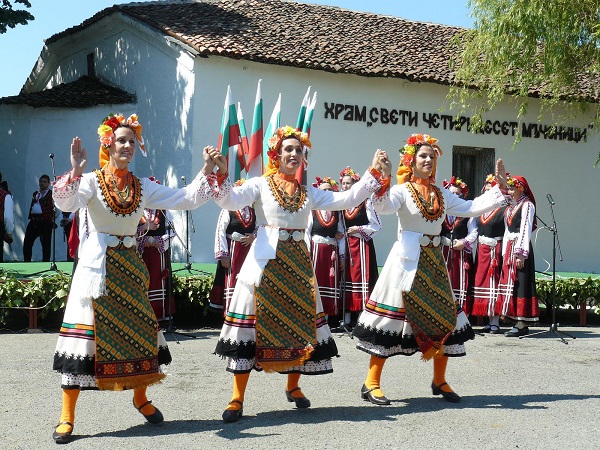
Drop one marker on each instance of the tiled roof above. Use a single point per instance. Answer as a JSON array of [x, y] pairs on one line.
[[308, 36], [82, 93]]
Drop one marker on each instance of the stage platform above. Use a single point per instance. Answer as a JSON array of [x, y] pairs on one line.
[[26, 270]]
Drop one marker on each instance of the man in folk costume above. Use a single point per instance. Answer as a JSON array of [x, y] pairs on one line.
[[412, 307], [517, 300], [275, 320], [42, 215], [325, 230], [109, 338], [488, 263], [360, 264], [155, 236], [7, 222], [233, 236], [458, 239]]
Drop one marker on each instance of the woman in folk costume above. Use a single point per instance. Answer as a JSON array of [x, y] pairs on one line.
[[488, 263], [109, 339], [517, 299], [458, 239], [412, 308], [155, 235], [325, 229], [233, 236], [275, 320], [360, 264]]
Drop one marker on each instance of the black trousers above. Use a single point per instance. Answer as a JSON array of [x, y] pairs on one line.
[[38, 229]]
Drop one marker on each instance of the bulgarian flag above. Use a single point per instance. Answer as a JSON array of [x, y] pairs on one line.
[[243, 135], [230, 139], [309, 114], [271, 128], [303, 107], [254, 161]]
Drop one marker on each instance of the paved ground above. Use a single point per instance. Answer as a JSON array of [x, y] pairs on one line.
[[528, 394]]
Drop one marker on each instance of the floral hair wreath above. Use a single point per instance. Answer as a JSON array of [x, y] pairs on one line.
[[283, 133], [413, 142], [491, 179], [512, 182], [327, 180], [110, 123], [457, 182], [348, 172]]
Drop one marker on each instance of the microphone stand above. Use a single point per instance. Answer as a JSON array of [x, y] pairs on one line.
[[343, 325], [171, 329], [186, 246], [555, 242], [53, 267]]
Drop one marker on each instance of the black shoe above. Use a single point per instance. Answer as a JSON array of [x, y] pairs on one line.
[[495, 330], [452, 397], [516, 332], [153, 418], [486, 329], [63, 438], [301, 402], [365, 394], [233, 415]]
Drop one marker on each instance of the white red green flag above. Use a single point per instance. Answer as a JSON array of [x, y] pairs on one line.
[[303, 107], [309, 114], [271, 128], [230, 139], [243, 135], [254, 160]]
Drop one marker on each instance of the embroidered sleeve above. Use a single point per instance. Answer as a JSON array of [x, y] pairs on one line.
[[390, 201], [221, 248], [67, 193], [527, 217], [471, 237], [235, 198], [470, 208], [368, 231]]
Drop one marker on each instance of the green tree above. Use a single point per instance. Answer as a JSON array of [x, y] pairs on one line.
[[10, 17], [543, 48]]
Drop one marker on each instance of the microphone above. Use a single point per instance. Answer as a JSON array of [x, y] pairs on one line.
[[51, 155], [550, 200]]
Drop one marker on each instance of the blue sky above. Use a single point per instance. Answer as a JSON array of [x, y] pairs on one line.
[[21, 46]]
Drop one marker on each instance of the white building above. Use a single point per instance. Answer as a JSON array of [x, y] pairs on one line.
[[378, 78]]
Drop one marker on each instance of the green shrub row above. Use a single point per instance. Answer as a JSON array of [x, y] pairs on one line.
[[49, 293]]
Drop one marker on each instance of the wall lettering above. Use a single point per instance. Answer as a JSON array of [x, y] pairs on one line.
[[390, 116]]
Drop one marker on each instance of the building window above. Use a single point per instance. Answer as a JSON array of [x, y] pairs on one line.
[[472, 165]]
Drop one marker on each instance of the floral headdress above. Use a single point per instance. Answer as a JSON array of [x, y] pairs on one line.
[[330, 181], [274, 144], [106, 132], [521, 183], [491, 179], [408, 154], [348, 172], [457, 182]]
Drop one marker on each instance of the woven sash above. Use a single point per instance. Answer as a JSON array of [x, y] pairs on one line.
[[429, 304], [286, 309], [126, 327]]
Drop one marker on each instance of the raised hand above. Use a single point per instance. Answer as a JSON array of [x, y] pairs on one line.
[[209, 164], [78, 157], [501, 173], [382, 163]]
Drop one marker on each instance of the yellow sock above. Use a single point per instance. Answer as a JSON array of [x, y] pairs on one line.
[[439, 373], [240, 381], [293, 379], [139, 398], [373, 380], [67, 414]]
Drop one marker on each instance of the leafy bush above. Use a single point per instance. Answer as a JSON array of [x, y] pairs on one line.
[[571, 292], [47, 293]]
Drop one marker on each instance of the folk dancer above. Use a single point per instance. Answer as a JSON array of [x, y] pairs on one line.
[[517, 300], [412, 307]]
